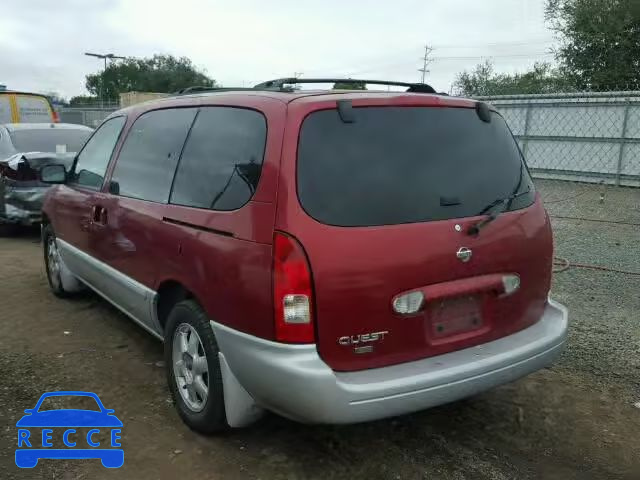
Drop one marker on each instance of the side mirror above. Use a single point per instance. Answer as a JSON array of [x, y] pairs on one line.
[[53, 174]]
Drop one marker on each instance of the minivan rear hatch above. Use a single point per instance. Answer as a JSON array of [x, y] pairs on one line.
[[386, 200]]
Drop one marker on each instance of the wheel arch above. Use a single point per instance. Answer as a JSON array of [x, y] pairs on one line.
[[43, 224], [170, 292]]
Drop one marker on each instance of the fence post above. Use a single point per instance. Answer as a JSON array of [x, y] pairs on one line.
[[525, 140], [623, 140]]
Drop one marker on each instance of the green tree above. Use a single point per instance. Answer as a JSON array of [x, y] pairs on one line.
[[160, 73], [350, 86], [484, 80], [56, 98], [600, 42], [81, 100]]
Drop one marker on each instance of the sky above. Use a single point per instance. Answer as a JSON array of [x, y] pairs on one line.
[[243, 42]]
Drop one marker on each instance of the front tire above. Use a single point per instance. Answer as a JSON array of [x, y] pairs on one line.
[[53, 263], [193, 368]]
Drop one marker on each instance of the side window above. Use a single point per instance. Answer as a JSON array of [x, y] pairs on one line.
[[148, 158], [93, 159], [222, 160]]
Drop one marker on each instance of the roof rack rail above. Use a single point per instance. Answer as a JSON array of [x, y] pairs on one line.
[[199, 89], [193, 89], [280, 83]]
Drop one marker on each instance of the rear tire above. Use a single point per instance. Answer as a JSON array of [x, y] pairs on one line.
[[52, 263], [193, 368]]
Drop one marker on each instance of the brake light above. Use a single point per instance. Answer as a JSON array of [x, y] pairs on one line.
[[292, 294], [55, 116]]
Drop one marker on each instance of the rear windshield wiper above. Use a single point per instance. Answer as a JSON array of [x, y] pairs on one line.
[[503, 203]]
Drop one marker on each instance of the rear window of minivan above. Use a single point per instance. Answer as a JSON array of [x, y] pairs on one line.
[[396, 165]]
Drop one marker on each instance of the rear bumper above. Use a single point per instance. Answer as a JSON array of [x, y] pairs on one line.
[[292, 380]]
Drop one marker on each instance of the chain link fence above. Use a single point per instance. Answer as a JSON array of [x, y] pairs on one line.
[[89, 116], [587, 137]]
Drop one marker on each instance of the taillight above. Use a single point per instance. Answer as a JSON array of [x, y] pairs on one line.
[[292, 294], [55, 116]]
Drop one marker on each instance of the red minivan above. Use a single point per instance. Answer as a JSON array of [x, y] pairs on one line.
[[332, 256]]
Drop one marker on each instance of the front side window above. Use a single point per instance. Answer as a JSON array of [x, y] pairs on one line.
[[92, 161], [222, 159], [149, 155]]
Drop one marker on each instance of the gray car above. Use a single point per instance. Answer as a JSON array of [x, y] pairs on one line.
[[24, 149]]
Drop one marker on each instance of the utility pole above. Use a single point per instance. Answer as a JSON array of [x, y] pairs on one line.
[[105, 57], [426, 61]]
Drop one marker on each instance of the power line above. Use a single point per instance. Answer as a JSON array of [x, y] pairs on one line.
[[496, 44], [404, 51], [406, 63], [517, 55]]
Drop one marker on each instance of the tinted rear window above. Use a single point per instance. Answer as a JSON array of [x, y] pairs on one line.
[[398, 165], [47, 139]]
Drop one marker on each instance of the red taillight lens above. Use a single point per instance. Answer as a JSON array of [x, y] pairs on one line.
[[292, 293], [56, 117]]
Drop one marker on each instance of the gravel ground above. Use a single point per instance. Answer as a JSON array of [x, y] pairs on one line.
[[576, 420], [605, 331]]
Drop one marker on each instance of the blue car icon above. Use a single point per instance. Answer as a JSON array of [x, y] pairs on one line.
[[32, 446]]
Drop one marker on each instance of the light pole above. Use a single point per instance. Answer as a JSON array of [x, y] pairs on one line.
[[105, 57]]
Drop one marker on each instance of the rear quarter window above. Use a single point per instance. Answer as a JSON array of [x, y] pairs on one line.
[[397, 165], [222, 159]]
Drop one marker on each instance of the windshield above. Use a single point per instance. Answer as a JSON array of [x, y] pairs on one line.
[[398, 165], [48, 139]]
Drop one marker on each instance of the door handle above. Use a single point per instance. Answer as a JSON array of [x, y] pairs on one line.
[[99, 215]]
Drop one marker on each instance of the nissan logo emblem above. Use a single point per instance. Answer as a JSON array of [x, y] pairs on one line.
[[464, 254]]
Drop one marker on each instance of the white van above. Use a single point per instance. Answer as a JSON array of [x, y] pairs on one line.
[[21, 107]]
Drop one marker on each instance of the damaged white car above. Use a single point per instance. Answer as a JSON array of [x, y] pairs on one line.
[[24, 149]]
